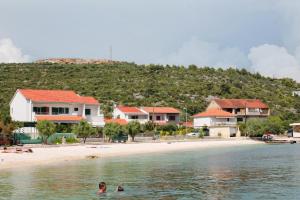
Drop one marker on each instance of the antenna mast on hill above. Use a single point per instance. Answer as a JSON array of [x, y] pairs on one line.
[[110, 52]]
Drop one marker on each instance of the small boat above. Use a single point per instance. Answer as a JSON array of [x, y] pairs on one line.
[[281, 141]]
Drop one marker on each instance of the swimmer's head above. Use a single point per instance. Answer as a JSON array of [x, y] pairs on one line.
[[102, 186], [120, 189]]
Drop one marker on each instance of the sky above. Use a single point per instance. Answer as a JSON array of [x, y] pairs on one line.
[[258, 35]]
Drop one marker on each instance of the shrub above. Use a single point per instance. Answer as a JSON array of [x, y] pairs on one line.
[[84, 130], [112, 130], [133, 128], [46, 129]]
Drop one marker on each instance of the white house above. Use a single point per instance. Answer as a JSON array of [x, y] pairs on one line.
[[59, 106], [219, 123], [130, 114], [296, 93], [159, 115]]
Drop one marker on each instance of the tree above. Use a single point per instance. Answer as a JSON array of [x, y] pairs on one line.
[[46, 129], [83, 129], [254, 127], [133, 128], [258, 127], [274, 125], [7, 126], [112, 129], [149, 126]]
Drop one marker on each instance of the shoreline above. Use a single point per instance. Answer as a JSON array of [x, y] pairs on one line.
[[46, 155]]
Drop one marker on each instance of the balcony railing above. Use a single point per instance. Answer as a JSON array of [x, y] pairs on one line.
[[41, 113], [253, 113], [96, 120], [223, 123]]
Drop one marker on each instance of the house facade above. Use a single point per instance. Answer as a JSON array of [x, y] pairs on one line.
[[162, 115], [158, 115], [219, 123], [130, 114], [243, 109], [223, 115], [59, 106]]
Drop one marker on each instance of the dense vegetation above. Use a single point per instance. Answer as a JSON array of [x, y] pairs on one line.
[[131, 84]]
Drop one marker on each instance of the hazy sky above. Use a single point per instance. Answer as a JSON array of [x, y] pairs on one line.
[[259, 35]]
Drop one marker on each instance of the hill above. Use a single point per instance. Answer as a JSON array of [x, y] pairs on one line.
[[131, 84]]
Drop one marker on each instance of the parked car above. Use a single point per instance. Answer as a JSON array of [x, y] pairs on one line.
[[267, 137], [122, 138], [193, 134]]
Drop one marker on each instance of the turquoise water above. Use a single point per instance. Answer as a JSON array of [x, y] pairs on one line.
[[248, 172]]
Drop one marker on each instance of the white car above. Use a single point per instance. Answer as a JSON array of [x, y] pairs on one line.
[[193, 134]]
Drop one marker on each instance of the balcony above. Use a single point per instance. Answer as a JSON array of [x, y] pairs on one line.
[[223, 124], [96, 120], [41, 113], [253, 113], [142, 121]]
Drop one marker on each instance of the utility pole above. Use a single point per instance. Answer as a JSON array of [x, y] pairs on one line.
[[185, 120]]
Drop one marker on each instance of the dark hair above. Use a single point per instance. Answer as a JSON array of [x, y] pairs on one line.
[[120, 189], [102, 185]]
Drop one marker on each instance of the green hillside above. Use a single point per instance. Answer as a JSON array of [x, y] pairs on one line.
[[132, 84]]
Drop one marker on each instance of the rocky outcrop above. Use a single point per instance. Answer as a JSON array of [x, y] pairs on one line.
[[74, 61]]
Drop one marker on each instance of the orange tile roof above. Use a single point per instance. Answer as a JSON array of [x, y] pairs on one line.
[[214, 113], [60, 96], [118, 121], [161, 110], [58, 118], [240, 103], [127, 109]]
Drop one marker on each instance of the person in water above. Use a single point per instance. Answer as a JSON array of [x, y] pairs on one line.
[[120, 189], [102, 188]]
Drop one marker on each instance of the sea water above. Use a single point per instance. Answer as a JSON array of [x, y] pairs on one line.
[[243, 172]]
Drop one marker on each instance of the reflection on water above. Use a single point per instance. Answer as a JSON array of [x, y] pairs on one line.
[[251, 172]]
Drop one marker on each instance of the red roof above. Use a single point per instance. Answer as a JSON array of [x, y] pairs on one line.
[[161, 110], [58, 117], [127, 109], [214, 113], [240, 103], [61, 96], [118, 121]]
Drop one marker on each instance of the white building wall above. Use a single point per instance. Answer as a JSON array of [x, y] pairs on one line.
[[202, 121], [212, 121], [20, 108], [119, 114]]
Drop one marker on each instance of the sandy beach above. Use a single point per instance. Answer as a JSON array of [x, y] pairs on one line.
[[44, 155]]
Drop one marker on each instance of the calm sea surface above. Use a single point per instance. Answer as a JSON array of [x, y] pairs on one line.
[[246, 172]]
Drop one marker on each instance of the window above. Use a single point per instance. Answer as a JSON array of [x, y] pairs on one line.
[[172, 118], [157, 118], [59, 110], [151, 117], [87, 111], [252, 110], [133, 117], [41, 110], [240, 119], [76, 109]]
